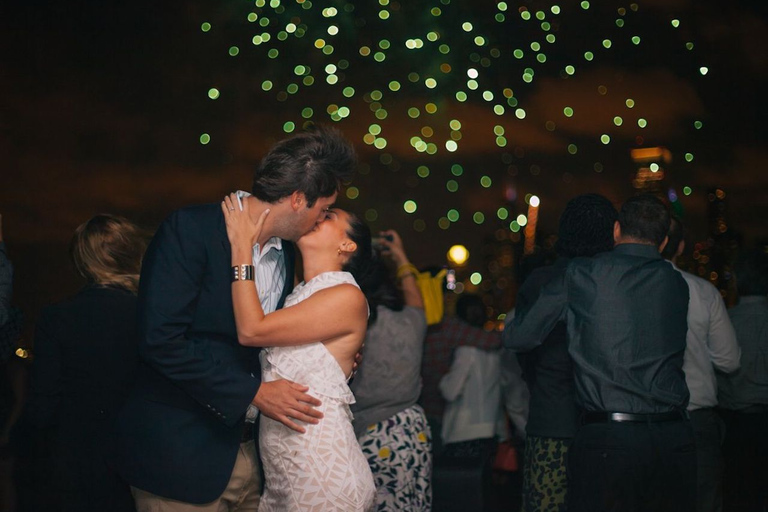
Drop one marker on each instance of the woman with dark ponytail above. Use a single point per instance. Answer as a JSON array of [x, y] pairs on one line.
[[391, 428]]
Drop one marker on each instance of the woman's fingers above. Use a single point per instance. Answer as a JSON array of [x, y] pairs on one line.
[[233, 202], [228, 203], [395, 237], [291, 425], [262, 219], [240, 224]]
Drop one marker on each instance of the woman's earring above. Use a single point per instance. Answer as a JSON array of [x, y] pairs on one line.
[[338, 251]]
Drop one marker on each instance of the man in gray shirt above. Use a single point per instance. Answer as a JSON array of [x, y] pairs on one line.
[[710, 344], [626, 316], [743, 395]]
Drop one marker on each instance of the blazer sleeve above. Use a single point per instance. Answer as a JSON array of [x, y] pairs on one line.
[[172, 279]]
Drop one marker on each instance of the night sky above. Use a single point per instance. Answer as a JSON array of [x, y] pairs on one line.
[[104, 105]]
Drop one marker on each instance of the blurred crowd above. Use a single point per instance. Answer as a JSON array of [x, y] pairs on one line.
[[618, 382]]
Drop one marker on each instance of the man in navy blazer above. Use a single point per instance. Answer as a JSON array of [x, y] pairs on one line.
[[184, 437]]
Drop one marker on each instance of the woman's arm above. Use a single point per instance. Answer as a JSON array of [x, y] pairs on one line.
[[326, 315], [406, 272]]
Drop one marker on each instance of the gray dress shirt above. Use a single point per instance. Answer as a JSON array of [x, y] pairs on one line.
[[626, 315], [749, 385], [710, 342]]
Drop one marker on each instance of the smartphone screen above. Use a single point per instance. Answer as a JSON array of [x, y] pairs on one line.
[[450, 280]]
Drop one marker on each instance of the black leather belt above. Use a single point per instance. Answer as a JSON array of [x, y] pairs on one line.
[[625, 417], [755, 409]]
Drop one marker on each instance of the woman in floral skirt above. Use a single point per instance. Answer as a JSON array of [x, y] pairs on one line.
[[391, 428]]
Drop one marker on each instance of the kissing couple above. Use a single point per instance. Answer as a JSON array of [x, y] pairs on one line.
[[242, 372]]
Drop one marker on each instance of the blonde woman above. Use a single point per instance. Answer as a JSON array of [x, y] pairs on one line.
[[85, 360]]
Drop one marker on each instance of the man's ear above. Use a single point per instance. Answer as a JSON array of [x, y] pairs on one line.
[[298, 200], [664, 243], [680, 248], [616, 232]]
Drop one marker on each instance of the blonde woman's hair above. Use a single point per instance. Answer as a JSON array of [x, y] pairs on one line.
[[107, 250]]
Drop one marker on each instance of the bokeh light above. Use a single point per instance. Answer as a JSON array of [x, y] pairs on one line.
[[458, 254]]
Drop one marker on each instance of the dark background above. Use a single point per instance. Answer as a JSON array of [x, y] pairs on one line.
[[103, 105]]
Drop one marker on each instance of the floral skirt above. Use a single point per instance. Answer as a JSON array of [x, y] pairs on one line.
[[544, 480], [399, 452]]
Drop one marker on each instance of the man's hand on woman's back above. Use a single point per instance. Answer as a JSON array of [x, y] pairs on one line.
[[286, 401]]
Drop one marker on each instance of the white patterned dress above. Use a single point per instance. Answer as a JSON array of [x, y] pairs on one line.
[[323, 469]]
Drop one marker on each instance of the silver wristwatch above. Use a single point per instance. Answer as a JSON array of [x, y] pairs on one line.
[[251, 414]]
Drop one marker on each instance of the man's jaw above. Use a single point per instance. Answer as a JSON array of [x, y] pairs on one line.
[[313, 228]]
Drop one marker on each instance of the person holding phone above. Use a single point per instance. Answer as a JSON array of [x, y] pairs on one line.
[[391, 427]]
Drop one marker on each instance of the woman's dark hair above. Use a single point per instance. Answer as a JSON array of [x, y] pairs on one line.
[[380, 288], [107, 250], [361, 264], [644, 217], [586, 226], [315, 162], [751, 269]]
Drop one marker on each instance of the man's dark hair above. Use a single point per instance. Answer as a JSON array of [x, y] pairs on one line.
[[646, 218], [471, 309], [586, 226], [676, 235], [751, 269], [315, 162]]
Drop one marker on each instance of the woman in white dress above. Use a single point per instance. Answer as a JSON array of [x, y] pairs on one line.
[[312, 340]]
